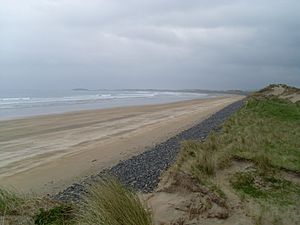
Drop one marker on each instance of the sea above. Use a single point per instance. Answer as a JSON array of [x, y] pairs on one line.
[[25, 103]]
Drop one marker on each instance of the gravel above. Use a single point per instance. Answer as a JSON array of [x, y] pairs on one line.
[[142, 172]]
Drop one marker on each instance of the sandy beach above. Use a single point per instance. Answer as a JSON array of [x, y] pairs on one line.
[[45, 154]]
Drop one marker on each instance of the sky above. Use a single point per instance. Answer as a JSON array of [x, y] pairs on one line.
[[174, 44]]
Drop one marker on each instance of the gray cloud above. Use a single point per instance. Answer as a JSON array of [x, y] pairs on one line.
[[149, 44]]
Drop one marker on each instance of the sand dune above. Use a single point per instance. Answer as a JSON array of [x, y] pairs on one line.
[[46, 153]]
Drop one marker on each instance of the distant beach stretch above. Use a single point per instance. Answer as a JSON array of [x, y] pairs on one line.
[[24, 103], [35, 150]]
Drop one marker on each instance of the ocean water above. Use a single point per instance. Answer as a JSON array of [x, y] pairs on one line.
[[24, 103]]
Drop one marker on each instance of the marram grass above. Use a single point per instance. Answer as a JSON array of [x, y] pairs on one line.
[[10, 202], [110, 203]]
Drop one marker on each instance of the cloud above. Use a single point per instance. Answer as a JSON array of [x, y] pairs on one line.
[[149, 44]]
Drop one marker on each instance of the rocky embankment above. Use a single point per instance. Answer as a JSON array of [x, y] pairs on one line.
[[142, 172]]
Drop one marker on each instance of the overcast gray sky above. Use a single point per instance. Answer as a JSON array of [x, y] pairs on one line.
[[212, 44]]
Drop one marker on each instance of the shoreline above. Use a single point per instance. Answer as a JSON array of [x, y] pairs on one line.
[[29, 112], [87, 142], [143, 172], [86, 110]]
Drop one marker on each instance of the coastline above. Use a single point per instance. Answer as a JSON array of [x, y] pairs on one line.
[[144, 172], [36, 104], [78, 144]]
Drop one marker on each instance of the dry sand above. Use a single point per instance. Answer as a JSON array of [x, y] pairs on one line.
[[45, 154]]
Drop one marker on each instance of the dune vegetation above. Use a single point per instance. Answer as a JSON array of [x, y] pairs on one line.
[[247, 173], [18, 208], [110, 203], [254, 161], [107, 203]]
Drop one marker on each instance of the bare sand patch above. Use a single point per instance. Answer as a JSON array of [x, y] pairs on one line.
[[284, 92]]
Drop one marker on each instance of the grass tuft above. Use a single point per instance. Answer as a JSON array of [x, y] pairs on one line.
[[263, 162], [245, 183], [200, 156], [10, 202], [16, 208], [110, 203], [59, 215], [266, 187], [206, 164]]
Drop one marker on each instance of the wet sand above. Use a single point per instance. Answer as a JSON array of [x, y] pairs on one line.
[[45, 154]]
